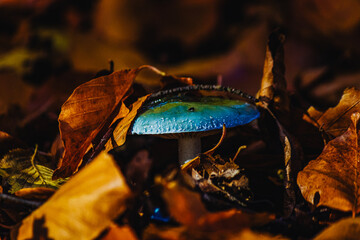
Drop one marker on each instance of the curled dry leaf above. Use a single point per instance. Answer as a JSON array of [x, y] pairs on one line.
[[335, 121], [348, 228], [7, 143], [273, 83], [196, 161], [39, 193], [187, 208], [333, 178], [122, 127], [89, 108], [84, 206]]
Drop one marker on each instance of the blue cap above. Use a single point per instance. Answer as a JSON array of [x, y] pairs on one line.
[[192, 114]]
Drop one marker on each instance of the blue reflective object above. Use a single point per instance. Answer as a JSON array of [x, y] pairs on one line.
[[193, 115], [158, 216]]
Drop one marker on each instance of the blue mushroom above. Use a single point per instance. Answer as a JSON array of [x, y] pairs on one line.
[[188, 118]]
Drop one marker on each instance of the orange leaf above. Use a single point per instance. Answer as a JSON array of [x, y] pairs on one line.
[[187, 208], [120, 232], [333, 178], [183, 233], [84, 206], [348, 228], [86, 112], [335, 121], [38, 193]]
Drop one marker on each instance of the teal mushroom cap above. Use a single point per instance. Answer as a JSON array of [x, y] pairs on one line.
[[188, 118]]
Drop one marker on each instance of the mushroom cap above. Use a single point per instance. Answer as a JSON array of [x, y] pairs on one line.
[[180, 116]]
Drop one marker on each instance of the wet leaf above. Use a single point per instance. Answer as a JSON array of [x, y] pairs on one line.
[[335, 121], [87, 111], [84, 206], [348, 228], [22, 169], [187, 208], [333, 178]]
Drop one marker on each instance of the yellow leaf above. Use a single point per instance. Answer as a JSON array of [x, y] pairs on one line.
[[123, 126], [84, 206], [348, 228]]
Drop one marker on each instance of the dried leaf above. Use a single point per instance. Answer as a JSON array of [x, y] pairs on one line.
[[122, 127], [84, 206], [22, 169], [86, 112], [333, 178], [335, 121], [8, 143], [120, 232], [169, 82], [39, 193], [273, 83], [183, 233], [187, 208], [196, 161], [168, 233], [348, 228], [250, 235]]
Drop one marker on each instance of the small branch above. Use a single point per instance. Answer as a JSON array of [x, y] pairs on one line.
[[7, 201], [101, 144]]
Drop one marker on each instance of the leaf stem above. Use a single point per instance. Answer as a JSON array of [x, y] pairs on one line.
[[32, 160]]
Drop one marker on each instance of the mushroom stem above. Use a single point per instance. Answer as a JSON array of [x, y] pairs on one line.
[[189, 147]]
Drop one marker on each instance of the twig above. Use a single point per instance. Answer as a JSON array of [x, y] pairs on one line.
[[7, 201]]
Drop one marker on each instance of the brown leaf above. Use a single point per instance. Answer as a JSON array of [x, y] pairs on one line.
[[119, 232], [187, 208], [122, 127], [273, 83], [324, 17], [84, 206], [196, 161], [168, 82], [333, 178], [348, 228], [168, 233], [7, 143], [39, 193], [335, 121], [250, 235], [183, 233], [86, 112]]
